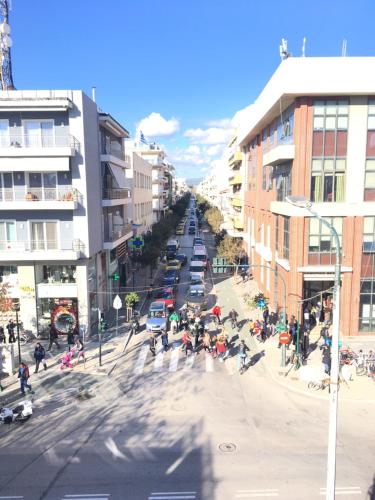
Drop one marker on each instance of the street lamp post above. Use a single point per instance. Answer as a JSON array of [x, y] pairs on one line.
[[302, 202]]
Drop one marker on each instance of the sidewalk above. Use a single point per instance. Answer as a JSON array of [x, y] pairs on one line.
[[230, 294]]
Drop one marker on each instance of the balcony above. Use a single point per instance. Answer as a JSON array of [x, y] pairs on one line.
[[235, 159], [30, 198], [118, 235], [236, 201], [235, 179], [114, 153], [116, 196], [43, 250], [22, 152], [279, 154], [238, 223]]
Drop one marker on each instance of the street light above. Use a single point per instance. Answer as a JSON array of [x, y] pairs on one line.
[[302, 202]]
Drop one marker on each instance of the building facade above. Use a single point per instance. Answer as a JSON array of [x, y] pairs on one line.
[[63, 208], [141, 175], [311, 133]]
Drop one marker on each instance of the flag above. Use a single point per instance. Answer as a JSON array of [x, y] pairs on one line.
[[142, 138]]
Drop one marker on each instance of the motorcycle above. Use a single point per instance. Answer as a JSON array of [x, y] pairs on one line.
[[134, 325], [19, 413]]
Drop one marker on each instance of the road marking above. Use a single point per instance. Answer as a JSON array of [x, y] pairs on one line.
[[344, 490], [138, 369], [209, 362], [174, 360], [158, 363], [14, 498], [89, 496], [190, 361], [169, 495]]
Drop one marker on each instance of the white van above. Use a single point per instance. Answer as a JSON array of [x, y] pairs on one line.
[[196, 268], [199, 248], [201, 256]]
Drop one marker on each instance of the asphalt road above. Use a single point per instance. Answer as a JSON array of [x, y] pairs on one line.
[[176, 427]]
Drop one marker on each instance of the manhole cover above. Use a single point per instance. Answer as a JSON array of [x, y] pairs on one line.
[[227, 447]]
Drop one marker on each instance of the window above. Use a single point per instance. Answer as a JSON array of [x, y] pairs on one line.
[[286, 238], [8, 275], [4, 134], [272, 134], [367, 305], [43, 235], [285, 126], [369, 234], [59, 274], [264, 178], [329, 151], [277, 233], [7, 234], [283, 176], [252, 166], [321, 242], [38, 133], [369, 194]]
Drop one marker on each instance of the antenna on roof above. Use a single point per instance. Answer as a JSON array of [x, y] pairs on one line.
[[284, 54], [343, 48], [303, 46]]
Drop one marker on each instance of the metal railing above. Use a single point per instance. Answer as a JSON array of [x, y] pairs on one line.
[[38, 141], [27, 193], [116, 193], [44, 245], [117, 233]]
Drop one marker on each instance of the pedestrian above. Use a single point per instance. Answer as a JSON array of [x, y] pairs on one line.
[[216, 311], [80, 349], [197, 333], [206, 341], [326, 358], [10, 328], [39, 356], [266, 315], [233, 316], [70, 338], [186, 343], [174, 320], [221, 348], [53, 336], [183, 317], [2, 335], [293, 329], [306, 343], [242, 354], [153, 344], [244, 275], [164, 340], [24, 375]]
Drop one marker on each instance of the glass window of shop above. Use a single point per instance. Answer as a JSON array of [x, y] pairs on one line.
[[61, 313], [8, 274], [59, 274], [93, 296]]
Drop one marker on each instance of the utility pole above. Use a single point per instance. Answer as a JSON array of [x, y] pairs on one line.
[[6, 77]]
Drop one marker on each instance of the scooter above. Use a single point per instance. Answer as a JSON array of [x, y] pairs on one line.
[[20, 413]]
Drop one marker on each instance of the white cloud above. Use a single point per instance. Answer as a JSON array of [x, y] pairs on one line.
[[155, 125], [212, 135], [222, 123], [193, 149]]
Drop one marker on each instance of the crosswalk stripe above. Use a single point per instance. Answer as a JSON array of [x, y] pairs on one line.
[[174, 360], [158, 363], [138, 368], [209, 363], [190, 361], [256, 495], [89, 496]]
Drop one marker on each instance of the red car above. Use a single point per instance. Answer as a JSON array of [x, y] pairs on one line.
[[167, 296]]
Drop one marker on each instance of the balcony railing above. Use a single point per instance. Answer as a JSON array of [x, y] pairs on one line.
[[39, 141], [117, 233], [116, 193], [114, 149], [75, 245], [26, 193]]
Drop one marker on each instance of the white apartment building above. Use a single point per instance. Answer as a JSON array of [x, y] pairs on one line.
[[64, 207], [140, 173]]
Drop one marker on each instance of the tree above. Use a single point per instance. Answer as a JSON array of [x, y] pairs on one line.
[[214, 218], [230, 249], [131, 299], [6, 302]]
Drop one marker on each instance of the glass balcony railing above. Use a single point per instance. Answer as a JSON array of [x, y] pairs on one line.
[[38, 141], [117, 232], [27, 193], [116, 193]]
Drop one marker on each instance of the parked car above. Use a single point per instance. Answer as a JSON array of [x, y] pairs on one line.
[[180, 230], [157, 317], [182, 258], [170, 278], [192, 230], [200, 255], [165, 295], [197, 296], [172, 248], [173, 264], [197, 241]]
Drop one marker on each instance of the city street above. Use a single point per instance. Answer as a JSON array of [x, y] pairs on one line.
[[182, 427]]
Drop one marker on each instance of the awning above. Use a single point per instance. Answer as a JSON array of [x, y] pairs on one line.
[[119, 174]]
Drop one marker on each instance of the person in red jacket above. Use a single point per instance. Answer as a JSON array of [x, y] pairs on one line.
[[217, 313], [23, 375]]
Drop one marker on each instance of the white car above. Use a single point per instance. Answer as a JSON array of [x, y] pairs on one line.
[[197, 268]]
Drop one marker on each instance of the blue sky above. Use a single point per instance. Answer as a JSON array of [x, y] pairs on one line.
[[189, 64]]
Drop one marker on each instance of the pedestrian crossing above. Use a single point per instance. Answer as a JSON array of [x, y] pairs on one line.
[[173, 495], [257, 493], [173, 360], [88, 496], [344, 490]]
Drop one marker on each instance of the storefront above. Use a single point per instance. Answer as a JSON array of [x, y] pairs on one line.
[[61, 313]]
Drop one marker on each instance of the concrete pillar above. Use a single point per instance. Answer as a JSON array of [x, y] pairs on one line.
[[83, 299], [27, 288]]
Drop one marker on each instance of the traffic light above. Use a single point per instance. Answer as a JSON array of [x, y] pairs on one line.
[[103, 325], [115, 276]]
